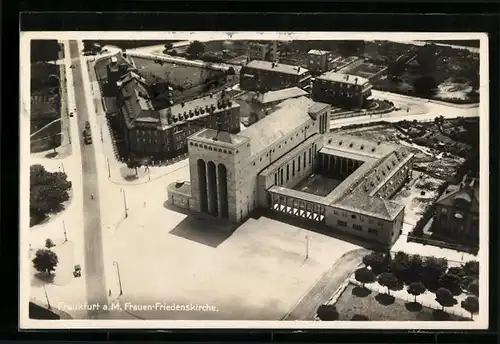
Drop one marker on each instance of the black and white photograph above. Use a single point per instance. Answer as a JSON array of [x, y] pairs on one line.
[[327, 180]]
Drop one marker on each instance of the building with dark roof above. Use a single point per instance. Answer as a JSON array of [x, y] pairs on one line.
[[163, 133], [457, 213], [232, 175], [264, 76], [342, 90]]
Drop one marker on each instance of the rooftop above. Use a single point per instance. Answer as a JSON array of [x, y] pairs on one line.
[[197, 108], [276, 67], [318, 52], [290, 115], [358, 145], [283, 94], [343, 78], [214, 136], [469, 194]]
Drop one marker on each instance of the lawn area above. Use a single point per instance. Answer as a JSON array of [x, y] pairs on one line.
[[317, 184], [380, 307]]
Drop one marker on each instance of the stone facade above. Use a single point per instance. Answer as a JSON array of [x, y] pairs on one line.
[[233, 175]]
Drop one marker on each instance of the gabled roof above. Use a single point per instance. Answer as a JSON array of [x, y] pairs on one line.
[[317, 52], [283, 94], [290, 115], [467, 193]]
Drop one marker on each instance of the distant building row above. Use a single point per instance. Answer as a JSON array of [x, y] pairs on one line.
[[331, 87]]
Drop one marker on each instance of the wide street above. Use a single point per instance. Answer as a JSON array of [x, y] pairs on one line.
[[94, 268]]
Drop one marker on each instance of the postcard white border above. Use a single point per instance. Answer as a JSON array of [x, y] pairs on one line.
[[481, 319]]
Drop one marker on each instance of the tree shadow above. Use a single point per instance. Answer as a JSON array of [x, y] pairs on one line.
[[51, 155], [413, 306], [385, 299], [359, 317], [130, 177], [360, 291], [440, 315], [43, 278]]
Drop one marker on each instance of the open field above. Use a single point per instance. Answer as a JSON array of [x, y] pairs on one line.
[[187, 81], [380, 307], [256, 272]]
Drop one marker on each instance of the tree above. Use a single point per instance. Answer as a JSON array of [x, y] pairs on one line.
[[395, 69], [328, 313], [450, 282], [133, 162], [230, 71], [457, 271], [445, 298], [45, 261], [364, 275], [415, 272], [433, 269], [169, 46], [49, 243], [425, 85], [471, 268], [44, 50], [388, 280], [400, 265], [48, 190], [378, 261], [416, 289], [349, 48], [471, 305], [474, 287], [195, 49]]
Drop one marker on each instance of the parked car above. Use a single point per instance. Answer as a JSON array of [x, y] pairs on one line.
[[77, 272], [87, 125]]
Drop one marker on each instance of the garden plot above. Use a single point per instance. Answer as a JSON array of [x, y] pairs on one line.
[[418, 196]]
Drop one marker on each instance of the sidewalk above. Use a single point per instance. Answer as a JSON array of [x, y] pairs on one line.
[[73, 290]]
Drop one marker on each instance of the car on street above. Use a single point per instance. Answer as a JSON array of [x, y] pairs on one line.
[[87, 125], [87, 136]]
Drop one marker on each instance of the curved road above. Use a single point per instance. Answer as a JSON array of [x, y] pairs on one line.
[[326, 286], [94, 263]]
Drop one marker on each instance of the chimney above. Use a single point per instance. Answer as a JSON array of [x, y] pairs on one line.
[[211, 95], [182, 104], [347, 77], [355, 81]]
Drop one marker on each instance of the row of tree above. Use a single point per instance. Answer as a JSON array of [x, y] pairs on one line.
[[48, 190]]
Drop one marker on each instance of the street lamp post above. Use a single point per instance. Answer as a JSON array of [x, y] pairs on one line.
[[62, 167], [46, 297], [119, 277], [307, 246], [69, 136], [65, 234], [109, 168], [125, 203]]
